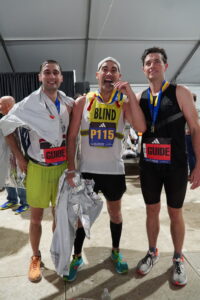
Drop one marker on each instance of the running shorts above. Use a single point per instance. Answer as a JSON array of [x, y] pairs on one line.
[[174, 179], [42, 184], [112, 186]]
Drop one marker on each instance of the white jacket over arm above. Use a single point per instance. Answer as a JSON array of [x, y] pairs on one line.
[[72, 204]]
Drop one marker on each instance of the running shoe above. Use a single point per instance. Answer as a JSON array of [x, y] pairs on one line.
[[146, 264], [35, 274], [7, 205], [121, 266], [179, 276], [21, 209], [75, 265]]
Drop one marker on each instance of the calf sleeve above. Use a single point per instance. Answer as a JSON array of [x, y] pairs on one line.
[[116, 230], [78, 243]]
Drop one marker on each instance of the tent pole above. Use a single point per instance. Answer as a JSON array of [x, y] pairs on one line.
[[6, 53]]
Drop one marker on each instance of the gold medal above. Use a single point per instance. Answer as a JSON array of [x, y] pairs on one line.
[[152, 128]]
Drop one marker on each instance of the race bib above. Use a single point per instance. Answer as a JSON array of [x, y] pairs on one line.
[[50, 154], [157, 150], [102, 134]]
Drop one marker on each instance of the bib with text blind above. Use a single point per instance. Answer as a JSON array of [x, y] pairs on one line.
[[103, 119]]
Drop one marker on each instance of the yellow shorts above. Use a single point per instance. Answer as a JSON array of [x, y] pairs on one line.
[[42, 184]]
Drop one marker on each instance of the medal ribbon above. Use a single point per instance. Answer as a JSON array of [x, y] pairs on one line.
[[154, 106], [115, 96], [57, 104]]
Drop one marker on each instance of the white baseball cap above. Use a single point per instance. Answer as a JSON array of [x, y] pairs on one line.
[[107, 59]]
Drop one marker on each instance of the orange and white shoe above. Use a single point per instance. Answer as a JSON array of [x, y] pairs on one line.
[[35, 274]]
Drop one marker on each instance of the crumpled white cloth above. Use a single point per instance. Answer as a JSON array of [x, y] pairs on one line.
[[76, 203], [33, 112], [10, 173]]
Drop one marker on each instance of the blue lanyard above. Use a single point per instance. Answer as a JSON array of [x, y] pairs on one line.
[[115, 96], [155, 105], [57, 104]]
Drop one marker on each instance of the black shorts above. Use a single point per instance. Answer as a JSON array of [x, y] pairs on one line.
[[174, 179], [112, 186]]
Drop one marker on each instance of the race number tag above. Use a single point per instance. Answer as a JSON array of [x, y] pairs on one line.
[[157, 150], [102, 134], [50, 154]]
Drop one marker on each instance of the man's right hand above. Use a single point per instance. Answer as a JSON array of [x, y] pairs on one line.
[[70, 179], [21, 161]]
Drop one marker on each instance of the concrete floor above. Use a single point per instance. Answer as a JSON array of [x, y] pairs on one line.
[[98, 271]]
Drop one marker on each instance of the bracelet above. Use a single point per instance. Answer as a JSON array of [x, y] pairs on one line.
[[71, 171]]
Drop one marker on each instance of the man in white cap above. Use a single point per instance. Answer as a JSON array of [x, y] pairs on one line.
[[101, 117]]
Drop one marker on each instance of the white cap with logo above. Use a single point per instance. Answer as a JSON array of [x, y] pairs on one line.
[[107, 59]]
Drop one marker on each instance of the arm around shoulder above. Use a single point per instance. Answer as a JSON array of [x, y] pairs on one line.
[[76, 117], [133, 113], [73, 130]]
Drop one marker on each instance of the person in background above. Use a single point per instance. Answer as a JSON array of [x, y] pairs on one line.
[[13, 193], [4, 155]]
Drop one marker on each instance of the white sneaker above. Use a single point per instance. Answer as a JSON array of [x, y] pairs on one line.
[[146, 264]]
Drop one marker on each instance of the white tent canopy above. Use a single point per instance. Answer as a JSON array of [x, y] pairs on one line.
[[79, 33]]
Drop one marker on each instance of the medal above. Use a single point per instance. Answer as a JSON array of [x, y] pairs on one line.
[[155, 105]]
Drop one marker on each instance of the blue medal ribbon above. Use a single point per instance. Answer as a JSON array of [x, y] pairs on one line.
[[155, 105], [115, 96], [57, 104]]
